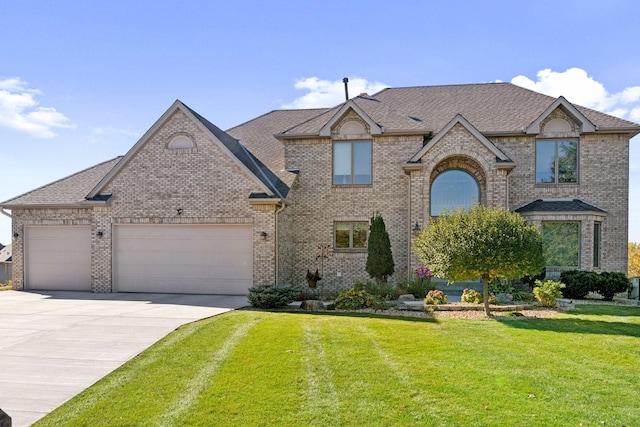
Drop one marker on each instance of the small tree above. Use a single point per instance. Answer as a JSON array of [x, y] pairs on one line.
[[482, 242], [634, 259], [380, 263]]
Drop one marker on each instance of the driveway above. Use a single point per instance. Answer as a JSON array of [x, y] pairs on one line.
[[54, 344]]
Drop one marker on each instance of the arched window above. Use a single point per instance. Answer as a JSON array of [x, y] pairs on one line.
[[181, 141], [453, 189]]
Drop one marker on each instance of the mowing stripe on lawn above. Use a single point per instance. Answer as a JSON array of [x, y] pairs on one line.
[[322, 401], [415, 392], [206, 376]]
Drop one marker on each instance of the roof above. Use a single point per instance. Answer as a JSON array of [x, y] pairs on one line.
[[251, 162], [70, 190], [559, 205], [257, 134], [490, 107]]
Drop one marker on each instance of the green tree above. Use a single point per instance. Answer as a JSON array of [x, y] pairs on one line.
[[634, 260], [380, 263], [482, 242]]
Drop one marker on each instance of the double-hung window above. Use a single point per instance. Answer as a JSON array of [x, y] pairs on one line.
[[352, 162], [351, 235], [557, 161]]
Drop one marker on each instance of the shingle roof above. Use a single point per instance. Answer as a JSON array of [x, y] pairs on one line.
[[262, 172], [574, 205], [66, 191], [490, 107], [257, 134]]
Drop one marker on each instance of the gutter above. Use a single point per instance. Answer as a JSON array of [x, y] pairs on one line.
[[2, 211]]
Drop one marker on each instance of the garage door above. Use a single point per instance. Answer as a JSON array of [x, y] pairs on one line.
[[58, 258], [199, 259]]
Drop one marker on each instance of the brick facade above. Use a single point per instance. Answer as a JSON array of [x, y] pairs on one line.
[[206, 184]]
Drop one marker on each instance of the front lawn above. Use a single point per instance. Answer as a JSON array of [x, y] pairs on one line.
[[250, 368]]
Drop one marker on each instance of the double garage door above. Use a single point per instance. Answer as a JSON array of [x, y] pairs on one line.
[[204, 259]]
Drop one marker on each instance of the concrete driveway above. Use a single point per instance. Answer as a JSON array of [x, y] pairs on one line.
[[55, 344]]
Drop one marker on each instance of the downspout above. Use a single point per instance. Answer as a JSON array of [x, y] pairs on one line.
[[409, 230], [277, 243], [5, 213]]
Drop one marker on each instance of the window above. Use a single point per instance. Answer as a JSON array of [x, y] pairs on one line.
[[597, 243], [557, 161], [351, 235], [181, 141], [352, 162], [453, 189], [561, 244]]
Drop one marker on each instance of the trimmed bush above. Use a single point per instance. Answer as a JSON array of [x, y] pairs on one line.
[[354, 300], [272, 296], [578, 283], [471, 296], [610, 284], [548, 292], [435, 297]]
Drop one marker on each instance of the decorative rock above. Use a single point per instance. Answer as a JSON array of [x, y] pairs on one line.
[[406, 297], [312, 305], [504, 298], [5, 420]]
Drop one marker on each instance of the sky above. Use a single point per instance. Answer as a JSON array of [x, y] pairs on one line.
[[82, 81]]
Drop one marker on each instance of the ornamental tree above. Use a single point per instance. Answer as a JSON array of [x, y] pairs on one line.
[[634, 260], [481, 242], [380, 263]]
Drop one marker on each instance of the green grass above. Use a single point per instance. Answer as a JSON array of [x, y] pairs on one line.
[[287, 369]]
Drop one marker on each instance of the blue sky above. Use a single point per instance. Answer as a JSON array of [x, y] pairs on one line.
[[81, 81]]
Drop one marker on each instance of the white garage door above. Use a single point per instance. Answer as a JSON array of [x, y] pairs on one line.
[[198, 259], [58, 258]]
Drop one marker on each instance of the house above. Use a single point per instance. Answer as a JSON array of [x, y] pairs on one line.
[[5, 263], [191, 208]]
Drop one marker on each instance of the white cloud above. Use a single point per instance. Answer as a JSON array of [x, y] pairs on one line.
[[19, 110], [326, 93], [581, 89]]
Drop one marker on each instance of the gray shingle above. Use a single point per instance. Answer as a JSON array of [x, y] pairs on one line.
[[66, 191], [574, 205]]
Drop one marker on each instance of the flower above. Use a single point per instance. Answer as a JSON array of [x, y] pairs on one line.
[[424, 272]]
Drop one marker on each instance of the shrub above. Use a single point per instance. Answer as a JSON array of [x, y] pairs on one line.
[[435, 297], [578, 283], [383, 290], [419, 284], [379, 263], [272, 296], [471, 296], [609, 284], [548, 292], [354, 299], [524, 296], [499, 286]]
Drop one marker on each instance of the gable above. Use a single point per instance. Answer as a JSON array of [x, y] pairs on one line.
[[456, 125], [211, 147], [563, 109]]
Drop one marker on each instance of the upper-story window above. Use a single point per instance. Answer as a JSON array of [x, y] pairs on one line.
[[557, 161], [352, 162], [181, 141], [453, 189]]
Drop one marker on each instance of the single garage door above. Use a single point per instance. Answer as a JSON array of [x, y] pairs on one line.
[[195, 259], [58, 258]]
